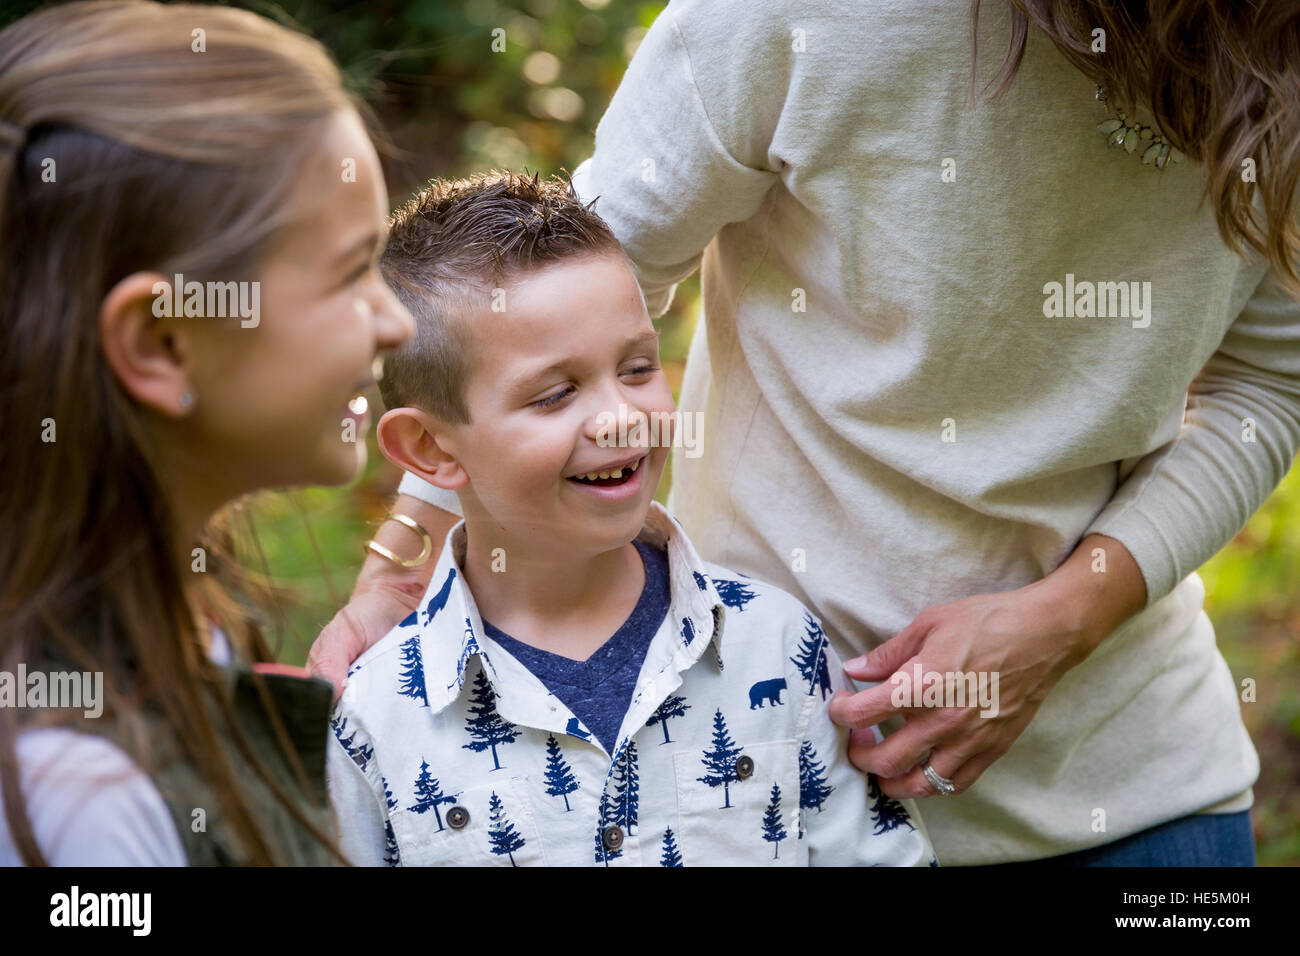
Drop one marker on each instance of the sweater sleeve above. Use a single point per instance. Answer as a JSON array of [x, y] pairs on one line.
[[664, 170], [1240, 432]]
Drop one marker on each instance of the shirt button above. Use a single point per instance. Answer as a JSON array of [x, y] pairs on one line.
[[457, 817], [612, 837], [745, 767]]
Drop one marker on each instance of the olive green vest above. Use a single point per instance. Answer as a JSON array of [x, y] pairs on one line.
[[303, 705]]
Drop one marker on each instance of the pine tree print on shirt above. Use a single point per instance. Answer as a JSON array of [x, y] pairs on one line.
[[412, 676], [428, 795], [391, 855], [813, 788], [501, 832], [811, 656], [720, 761], [559, 778], [888, 813], [487, 728], [671, 855], [361, 754], [626, 787], [734, 594], [773, 831], [469, 650], [674, 706], [603, 820]]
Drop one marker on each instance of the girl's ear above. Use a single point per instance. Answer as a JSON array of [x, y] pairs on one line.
[[149, 355], [416, 441]]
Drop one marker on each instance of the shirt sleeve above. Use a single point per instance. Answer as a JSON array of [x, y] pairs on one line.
[[417, 487], [363, 822], [666, 172], [90, 805], [1240, 432], [848, 820]]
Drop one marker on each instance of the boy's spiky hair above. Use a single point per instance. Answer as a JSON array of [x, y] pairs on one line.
[[449, 246]]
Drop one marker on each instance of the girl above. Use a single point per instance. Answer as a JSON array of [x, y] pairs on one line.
[[190, 218]]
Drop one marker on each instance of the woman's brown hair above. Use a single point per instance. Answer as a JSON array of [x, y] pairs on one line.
[[133, 136], [1222, 80]]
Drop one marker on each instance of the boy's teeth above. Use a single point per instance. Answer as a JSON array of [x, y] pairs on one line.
[[616, 473]]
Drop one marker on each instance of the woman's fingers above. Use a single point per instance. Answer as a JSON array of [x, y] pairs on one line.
[[863, 709], [886, 659], [361, 622], [971, 746], [904, 749], [958, 760], [334, 650]]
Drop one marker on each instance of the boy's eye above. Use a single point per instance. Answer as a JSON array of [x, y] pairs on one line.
[[551, 400], [555, 399]]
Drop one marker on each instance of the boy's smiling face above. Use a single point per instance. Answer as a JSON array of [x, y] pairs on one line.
[[548, 375]]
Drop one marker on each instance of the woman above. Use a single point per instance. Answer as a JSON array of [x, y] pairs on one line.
[[992, 381], [191, 218]]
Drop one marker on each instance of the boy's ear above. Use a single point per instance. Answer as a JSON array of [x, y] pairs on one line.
[[412, 440]]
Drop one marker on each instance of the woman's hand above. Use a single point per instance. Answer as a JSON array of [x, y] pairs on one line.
[[385, 592], [1019, 644]]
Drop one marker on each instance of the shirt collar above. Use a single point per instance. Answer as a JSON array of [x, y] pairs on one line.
[[450, 630]]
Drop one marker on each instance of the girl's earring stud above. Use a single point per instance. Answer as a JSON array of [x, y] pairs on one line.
[[187, 399]]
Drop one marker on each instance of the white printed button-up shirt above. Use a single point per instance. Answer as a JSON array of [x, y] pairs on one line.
[[448, 751]]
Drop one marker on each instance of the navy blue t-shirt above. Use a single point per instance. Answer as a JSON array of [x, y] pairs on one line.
[[599, 689]]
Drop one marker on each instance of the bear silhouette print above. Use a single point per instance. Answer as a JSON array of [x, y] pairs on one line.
[[767, 690]]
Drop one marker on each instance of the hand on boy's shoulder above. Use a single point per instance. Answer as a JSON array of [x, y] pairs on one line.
[[360, 626]]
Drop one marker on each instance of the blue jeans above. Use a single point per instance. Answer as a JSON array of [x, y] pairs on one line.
[[1202, 839]]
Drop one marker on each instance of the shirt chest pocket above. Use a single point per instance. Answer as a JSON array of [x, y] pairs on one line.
[[739, 808], [491, 825]]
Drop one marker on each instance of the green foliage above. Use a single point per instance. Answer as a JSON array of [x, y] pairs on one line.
[[1253, 597], [474, 84]]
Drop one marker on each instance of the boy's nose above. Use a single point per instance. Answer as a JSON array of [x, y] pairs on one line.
[[617, 418], [609, 409]]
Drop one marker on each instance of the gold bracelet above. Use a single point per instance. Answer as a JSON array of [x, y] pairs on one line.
[[411, 523]]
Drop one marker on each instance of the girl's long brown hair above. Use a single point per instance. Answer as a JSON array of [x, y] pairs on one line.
[[1222, 80], [125, 148]]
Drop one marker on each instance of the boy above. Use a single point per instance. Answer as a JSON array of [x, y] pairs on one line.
[[577, 686]]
